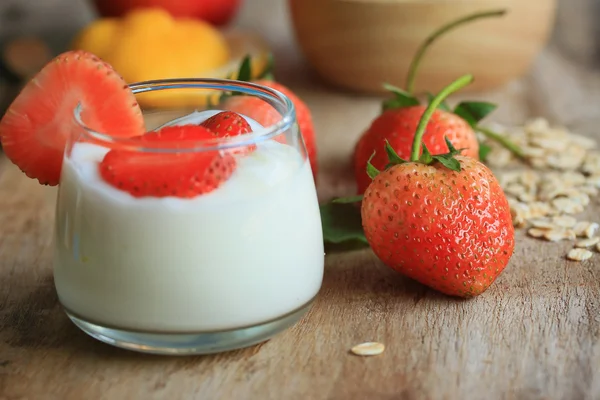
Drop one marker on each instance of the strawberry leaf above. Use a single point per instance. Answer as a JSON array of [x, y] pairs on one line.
[[474, 111], [245, 71], [371, 170], [394, 158], [484, 150], [451, 147], [244, 74], [401, 98], [267, 73], [341, 223], [426, 157], [443, 105], [448, 161], [348, 200]]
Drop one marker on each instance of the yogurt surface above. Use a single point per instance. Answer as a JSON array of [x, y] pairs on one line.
[[246, 253]]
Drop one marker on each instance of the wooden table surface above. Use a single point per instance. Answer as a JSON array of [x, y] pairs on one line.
[[533, 335]]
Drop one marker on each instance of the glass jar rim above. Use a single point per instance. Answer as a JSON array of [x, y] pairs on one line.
[[256, 90]]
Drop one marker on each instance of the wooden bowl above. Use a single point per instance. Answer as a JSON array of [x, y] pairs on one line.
[[359, 44]]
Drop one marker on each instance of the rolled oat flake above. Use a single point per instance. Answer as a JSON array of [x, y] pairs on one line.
[[368, 349]]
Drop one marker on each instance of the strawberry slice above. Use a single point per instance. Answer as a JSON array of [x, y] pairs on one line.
[[229, 124], [35, 128], [185, 175]]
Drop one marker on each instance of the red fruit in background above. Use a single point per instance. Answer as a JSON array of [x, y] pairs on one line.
[[253, 107], [217, 12], [266, 115], [398, 126], [35, 129], [184, 175], [450, 230]]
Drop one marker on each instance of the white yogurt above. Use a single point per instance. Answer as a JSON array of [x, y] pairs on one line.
[[246, 253]]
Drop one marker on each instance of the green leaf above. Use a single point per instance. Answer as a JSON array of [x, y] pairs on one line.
[[267, 73], [245, 71], [426, 157], [348, 200], [443, 105], [474, 111], [452, 150], [341, 223], [244, 74], [401, 98], [484, 150], [392, 155], [447, 159], [449, 162], [371, 170]]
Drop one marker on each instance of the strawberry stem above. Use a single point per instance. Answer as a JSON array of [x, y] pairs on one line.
[[414, 65], [431, 108], [505, 142]]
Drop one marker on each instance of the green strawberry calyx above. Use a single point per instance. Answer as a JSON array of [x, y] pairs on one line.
[[473, 112], [419, 152], [433, 105], [446, 159]]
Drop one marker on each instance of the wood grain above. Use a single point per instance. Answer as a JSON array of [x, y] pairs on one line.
[[533, 335]]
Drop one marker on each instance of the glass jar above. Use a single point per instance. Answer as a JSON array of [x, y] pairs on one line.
[[211, 273]]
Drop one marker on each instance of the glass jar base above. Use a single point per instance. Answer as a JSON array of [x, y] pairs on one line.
[[189, 343]]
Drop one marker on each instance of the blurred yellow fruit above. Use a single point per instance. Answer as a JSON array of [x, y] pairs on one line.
[[149, 44], [98, 37]]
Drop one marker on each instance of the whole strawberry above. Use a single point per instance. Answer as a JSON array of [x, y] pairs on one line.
[[442, 220], [398, 126], [266, 115], [398, 120], [304, 118]]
